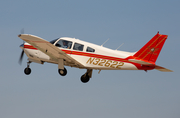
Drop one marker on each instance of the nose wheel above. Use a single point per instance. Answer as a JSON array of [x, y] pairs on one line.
[[27, 70]]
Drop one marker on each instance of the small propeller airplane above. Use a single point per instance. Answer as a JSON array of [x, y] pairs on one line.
[[73, 52]]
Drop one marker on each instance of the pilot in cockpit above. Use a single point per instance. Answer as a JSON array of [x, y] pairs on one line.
[[65, 44]]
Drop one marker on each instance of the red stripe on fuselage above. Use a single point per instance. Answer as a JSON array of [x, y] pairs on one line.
[[99, 56], [111, 58]]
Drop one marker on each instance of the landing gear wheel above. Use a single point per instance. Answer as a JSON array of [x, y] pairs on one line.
[[62, 72], [85, 78], [27, 71]]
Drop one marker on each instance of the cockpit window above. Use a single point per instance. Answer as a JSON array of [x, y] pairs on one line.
[[78, 46], [53, 41], [64, 44], [89, 49]]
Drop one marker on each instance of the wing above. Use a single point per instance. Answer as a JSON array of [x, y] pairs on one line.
[[52, 51]]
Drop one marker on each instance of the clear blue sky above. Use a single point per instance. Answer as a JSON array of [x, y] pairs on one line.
[[110, 94]]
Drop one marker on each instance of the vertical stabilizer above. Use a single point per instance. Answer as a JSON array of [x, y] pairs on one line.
[[151, 50]]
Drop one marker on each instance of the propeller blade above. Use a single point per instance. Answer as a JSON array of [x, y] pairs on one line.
[[22, 47], [21, 57]]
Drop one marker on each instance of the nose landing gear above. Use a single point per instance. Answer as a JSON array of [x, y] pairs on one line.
[[27, 70]]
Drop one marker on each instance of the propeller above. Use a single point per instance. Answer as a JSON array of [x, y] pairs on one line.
[[22, 46], [21, 57]]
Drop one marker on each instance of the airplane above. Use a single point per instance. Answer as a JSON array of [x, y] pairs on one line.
[[76, 53]]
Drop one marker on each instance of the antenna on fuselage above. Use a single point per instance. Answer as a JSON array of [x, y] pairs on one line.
[[104, 42], [120, 46]]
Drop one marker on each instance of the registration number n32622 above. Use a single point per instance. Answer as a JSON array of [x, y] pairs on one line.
[[104, 62]]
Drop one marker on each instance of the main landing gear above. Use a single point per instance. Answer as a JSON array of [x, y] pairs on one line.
[[62, 72], [27, 70], [86, 77]]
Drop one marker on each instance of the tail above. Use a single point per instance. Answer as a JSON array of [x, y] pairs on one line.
[[151, 50], [149, 53]]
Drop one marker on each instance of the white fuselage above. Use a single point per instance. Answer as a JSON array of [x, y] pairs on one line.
[[97, 57]]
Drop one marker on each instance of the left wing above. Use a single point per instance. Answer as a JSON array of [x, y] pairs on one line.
[[52, 51]]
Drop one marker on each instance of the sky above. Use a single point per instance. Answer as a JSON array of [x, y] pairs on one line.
[[123, 94]]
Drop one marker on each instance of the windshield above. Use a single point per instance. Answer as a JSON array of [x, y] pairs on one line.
[[53, 41]]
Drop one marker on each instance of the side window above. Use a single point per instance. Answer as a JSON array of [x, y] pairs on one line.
[[90, 49], [64, 44], [78, 46]]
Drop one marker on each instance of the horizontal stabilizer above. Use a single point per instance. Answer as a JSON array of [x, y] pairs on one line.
[[141, 62], [162, 69]]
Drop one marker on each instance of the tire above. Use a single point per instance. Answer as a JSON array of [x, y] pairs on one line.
[[27, 71], [85, 78], [62, 72]]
